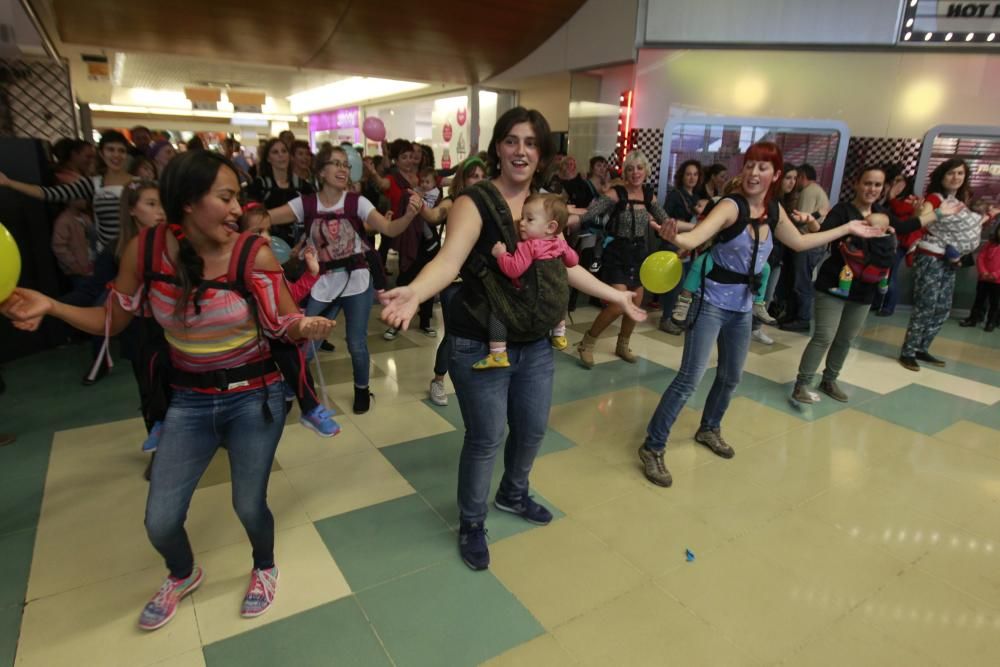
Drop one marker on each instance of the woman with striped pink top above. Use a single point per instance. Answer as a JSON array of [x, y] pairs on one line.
[[223, 379]]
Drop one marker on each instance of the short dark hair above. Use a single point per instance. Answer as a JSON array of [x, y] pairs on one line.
[[808, 171], [597, 159], [297, 144], [112, 137], [543, 138]]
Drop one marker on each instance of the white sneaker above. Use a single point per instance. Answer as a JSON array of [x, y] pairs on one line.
[[761, 337], [390, 333], [438, 394]]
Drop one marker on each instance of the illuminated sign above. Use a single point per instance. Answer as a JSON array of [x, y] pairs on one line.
[[946, 22]]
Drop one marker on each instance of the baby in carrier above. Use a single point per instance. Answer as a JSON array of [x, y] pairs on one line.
[[867, 260], [544, 219], [954, 234]]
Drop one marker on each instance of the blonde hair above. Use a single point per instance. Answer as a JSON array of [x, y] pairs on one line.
[[555, 208], [636, 158], [733, 185]]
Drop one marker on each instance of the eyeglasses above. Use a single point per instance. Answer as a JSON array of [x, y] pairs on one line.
[[338, 164]]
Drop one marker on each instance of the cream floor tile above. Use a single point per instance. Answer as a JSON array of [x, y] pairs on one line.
[[299, 446], [854, 642], [871, 440], [189, 659], [778, 367], [405, 362], [935, 620], [575, 479], [969, 468], [873, 519], [958, 386], [758, 420], [875, 372], [611, 426], [969, 353], [96, 625], [828, 560], [578, 573], [648, 530], [544, 650], [418, 383], [308, 578], [646, 627], [968, 562], [759, 606], [212, 523], [723, 498], [347, 483], [985, 524], [401, 423], [93, 454], [978, 438]]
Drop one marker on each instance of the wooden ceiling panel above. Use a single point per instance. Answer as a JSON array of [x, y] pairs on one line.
[[441, 41]]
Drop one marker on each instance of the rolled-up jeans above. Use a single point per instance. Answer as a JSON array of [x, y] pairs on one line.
[[731, 331], [195, 425], [492, 401]]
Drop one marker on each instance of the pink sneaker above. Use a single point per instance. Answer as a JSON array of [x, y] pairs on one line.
[[163, 606], [260, 593]]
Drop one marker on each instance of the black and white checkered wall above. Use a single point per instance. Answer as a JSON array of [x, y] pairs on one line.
[[650, 142], [37, 101], [863, 151]]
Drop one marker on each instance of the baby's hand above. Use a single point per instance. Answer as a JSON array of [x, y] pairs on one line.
[[499, 249], [312, 263]]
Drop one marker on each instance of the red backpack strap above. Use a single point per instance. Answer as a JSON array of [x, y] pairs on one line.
[[351, 213], [241, 262], [152, 247]]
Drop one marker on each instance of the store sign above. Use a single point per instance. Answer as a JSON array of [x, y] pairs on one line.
[[335, 119], [940, 22]]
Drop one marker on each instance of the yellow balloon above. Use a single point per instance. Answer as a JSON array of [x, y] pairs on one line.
[[661, 272], [10, 263]]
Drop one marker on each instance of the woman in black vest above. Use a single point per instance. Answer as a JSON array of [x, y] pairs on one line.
[[517, 397], [277, 185]]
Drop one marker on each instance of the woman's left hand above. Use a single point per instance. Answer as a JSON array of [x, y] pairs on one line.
[[627, 302], [315, 328], [399, 306], [862, 229]]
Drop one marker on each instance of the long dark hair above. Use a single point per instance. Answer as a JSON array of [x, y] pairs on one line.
[[266, 170], [188, 178], [543, 139], [679, 175], [936, 185]]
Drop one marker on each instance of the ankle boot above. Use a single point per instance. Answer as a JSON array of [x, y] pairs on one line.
[[586, 350], [622, 349], [969, 321], [362, 400]]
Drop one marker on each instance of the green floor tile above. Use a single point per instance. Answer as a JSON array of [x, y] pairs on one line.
[[10, 630], [16, 549], [957, 368], [774, 395], [920, 408], [988, 415], [501, 525], [451, 413], [385, 541], [447, 615], [332, 634], [573, 382]]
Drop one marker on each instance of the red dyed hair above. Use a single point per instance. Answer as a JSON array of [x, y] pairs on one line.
[[767, 151]]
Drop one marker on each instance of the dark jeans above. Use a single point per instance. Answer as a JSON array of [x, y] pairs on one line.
[[730, 331], [805, 264], [426, 310], [891, 299], [443, 351], [987, 303], [195, 425], [356, 310], [517, 398]]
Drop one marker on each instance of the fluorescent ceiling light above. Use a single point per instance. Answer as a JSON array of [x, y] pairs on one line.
[[347, 91], [164, 111]]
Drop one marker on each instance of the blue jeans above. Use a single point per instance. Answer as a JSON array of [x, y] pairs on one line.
[[192, 430], [805, 265], [441, 358], [891, 299], [356, 309], [518, 397], [732, 331]]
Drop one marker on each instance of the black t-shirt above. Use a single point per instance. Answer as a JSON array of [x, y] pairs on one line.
[[829, 273], [580, 193], [680, 205]]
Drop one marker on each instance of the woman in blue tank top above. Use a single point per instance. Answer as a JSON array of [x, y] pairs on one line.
[[741, 226]]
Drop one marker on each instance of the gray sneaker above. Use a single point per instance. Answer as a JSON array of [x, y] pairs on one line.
[[438, 394], [712, 438], [668, 326], [833, 390], [653, 467]]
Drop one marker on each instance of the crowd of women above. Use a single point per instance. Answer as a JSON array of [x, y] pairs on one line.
[[186, 256]]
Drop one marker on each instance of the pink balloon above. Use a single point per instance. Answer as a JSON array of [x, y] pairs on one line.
[[374, 128]]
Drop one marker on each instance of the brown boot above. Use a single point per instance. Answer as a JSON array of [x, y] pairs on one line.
[[622, 350], [586, 350]]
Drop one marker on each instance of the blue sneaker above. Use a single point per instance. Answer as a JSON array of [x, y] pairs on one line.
[[152, 440], [524, 507], [472, 545], [320, 420]]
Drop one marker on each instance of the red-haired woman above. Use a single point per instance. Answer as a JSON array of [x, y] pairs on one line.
[[742, 224]]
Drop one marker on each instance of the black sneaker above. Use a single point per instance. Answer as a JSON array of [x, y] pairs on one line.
[[929, 358], [801, 326], [327, 346], [88, 381], [909, 363], [524, 507], [362, 400], [968, 322], [472, 546]]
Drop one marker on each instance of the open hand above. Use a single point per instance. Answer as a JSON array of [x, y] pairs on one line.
[[862, 229], [950, 207], [312, 261], [668, 230], [627, 303], [398, 307], [315, 328]]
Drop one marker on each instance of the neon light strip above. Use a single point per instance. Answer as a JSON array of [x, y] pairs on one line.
[[628, 124]]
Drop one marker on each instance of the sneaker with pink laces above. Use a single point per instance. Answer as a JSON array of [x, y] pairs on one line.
[[260, 593], [163, 606]]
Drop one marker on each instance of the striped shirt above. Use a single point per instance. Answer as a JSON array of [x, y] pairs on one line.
[[106, 200], [224, 335]]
